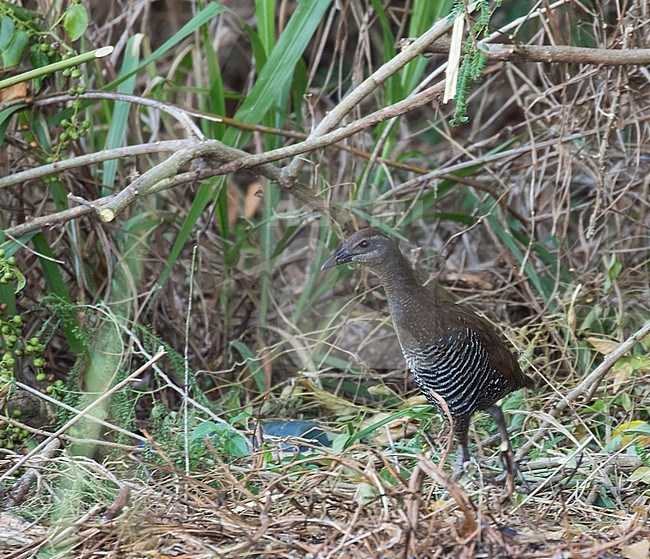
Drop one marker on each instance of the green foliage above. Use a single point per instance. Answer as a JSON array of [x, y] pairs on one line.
[[205, 437], [221, 436], [76, 20], [17, 30], [474, 60]]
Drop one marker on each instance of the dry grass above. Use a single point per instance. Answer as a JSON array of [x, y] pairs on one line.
[[536, 213]]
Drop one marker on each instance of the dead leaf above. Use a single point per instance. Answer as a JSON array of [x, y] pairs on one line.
[[622, 372], [638, 550], [394, 430], [18, 91], [254, 198], [603, 346], [417, 400], [643, 440], [233, 197]]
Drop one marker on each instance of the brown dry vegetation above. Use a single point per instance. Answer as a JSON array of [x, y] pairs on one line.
[[534, 212]]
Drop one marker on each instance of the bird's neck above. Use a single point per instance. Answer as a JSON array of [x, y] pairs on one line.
[[397, 276]]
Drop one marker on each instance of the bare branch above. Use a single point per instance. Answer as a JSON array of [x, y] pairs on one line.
[[544, 53], [93, 158]]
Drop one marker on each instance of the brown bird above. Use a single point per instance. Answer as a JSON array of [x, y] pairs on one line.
[[450, 350]]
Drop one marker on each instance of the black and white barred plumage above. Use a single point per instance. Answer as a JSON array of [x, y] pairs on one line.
[[457, 367]]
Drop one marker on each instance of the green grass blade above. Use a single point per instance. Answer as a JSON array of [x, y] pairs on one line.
[[216, 93], [265, 12], [206, 14], [120, 117], [508, 239], [279, 67], [204, 194]]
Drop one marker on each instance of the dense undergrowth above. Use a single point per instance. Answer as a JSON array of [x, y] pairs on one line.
[[532, 208]]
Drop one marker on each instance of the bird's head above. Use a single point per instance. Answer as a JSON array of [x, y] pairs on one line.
[[367, 246]]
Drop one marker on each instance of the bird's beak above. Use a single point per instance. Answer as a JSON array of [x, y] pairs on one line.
[[338, 258]]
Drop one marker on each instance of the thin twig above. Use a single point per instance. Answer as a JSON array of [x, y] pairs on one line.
[[19, 491], [590, 384]]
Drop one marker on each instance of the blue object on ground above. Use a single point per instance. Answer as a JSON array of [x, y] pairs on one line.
[[288, 429]]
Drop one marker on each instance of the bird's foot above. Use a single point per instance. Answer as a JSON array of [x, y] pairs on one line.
[[466, 468], [512, 472]]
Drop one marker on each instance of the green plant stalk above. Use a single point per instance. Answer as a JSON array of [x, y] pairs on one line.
[[56, 66], [107, 351]]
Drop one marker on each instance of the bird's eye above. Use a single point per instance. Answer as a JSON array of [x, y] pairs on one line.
[[363, 244]]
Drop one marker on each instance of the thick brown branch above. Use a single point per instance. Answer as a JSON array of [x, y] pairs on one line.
[[558, 53]]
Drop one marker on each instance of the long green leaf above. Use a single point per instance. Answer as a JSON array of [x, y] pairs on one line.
[[265, 15], [216, 93], [120, 115]]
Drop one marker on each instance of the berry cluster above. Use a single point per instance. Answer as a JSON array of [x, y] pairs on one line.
[[12, 436], [8, 270]]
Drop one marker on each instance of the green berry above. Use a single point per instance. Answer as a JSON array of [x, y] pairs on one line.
[[18, 320], [38, 362], [2, 252], [11, 261], [40, 377]]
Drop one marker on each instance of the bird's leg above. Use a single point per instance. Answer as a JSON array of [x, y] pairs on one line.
[[461, 428], [507, 457]]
